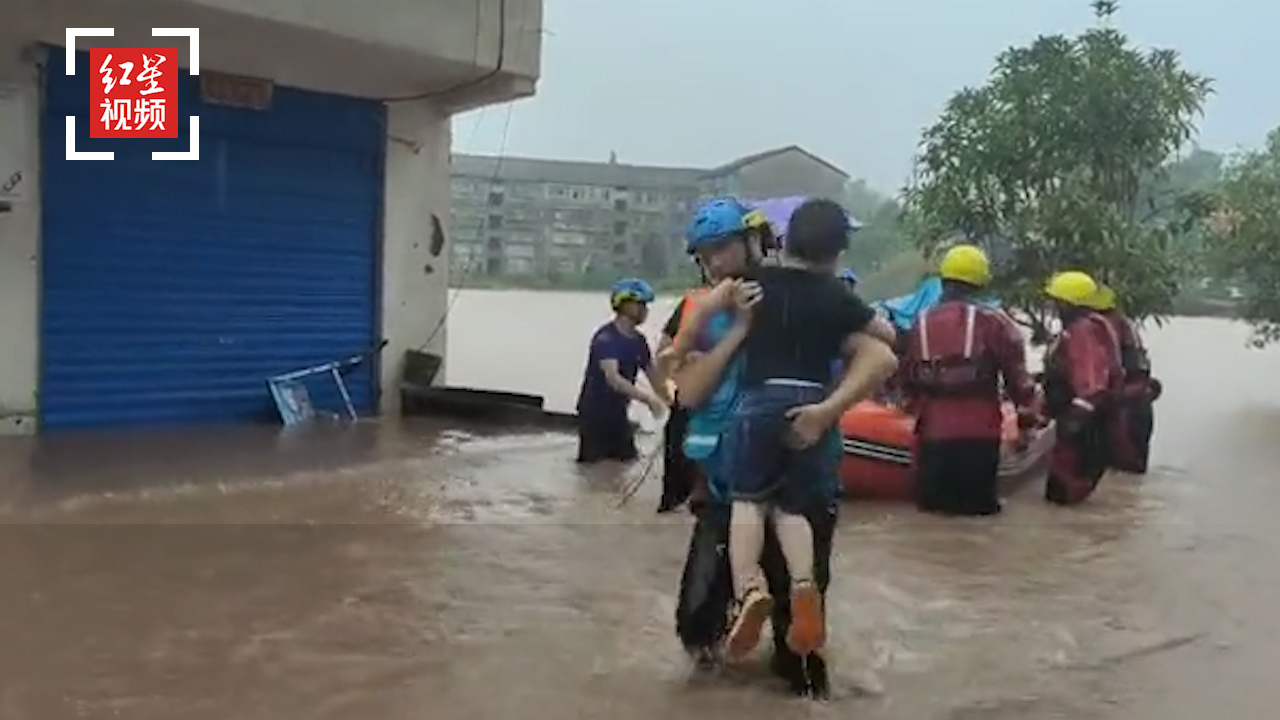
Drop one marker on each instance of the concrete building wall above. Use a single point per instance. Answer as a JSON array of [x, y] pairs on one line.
[[19, 244], [415, 263]]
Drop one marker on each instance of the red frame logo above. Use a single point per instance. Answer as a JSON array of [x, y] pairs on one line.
[[134, 93]]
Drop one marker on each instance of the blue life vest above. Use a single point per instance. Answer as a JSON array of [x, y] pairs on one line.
[[709, 420]]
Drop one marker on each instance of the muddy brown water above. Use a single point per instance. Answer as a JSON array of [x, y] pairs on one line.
[[416, 570]]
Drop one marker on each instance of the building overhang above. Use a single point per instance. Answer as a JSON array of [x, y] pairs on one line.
[[476, 53]]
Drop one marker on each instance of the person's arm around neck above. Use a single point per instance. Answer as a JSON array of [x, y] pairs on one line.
[[673, 357], [699, 377]]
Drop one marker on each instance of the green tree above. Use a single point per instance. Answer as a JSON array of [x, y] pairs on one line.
[[1047, 163], [1187, 185], [1245, 247]]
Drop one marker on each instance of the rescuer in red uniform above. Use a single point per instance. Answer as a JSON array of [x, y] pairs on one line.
[[1132, 420], [955, 359], [1082, 375]]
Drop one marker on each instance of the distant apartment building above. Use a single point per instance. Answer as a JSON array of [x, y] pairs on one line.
[[525, 216]]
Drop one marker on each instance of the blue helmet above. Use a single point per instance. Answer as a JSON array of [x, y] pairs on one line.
[[630, 290], [849, 276], [716, 220]]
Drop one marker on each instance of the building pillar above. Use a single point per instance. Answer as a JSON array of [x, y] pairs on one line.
[[415, 269], [19, 242]]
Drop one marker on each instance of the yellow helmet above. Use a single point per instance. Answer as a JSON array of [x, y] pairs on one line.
[[755, 220], [966, 264], [1104, 300], [1073, 288]]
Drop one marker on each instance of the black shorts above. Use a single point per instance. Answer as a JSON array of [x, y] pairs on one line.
[[958, 477], [606, 437]]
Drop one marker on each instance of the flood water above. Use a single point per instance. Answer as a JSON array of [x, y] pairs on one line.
[[416, 570]]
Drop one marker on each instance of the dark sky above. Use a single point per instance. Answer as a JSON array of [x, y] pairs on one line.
[[699, 82]]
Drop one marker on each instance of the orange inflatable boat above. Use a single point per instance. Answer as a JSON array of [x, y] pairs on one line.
[[879, 444]]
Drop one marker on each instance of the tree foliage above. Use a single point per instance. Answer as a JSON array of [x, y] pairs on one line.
[[882, 236], [1050, 166], [1245, 247]]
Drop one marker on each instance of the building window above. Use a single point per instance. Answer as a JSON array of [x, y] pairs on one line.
[[576, 194], [620, 205], [619, 248], [495, 222], [620, 227], [495, 242], [495, 199]]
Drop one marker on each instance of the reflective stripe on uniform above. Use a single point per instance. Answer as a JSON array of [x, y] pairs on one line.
[[970, 325]]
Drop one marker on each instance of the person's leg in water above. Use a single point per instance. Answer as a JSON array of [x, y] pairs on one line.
[[757, 465], [606, 436], [977, 469], [958, 477], [808, 478], [808, 675], [752, 447], [807, 632], [706, 591], [754, 603], [1077, 463], [706, 586], [678, 471]]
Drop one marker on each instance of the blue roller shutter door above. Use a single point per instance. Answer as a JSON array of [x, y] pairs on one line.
[[172, 289]]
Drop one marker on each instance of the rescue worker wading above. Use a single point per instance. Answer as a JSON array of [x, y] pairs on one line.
[[955, 358], [1081, 378], [617, 355], [1132, 420], [721, 238]]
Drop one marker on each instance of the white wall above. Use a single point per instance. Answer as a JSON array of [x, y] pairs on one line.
[[415, 285], [19, 245]]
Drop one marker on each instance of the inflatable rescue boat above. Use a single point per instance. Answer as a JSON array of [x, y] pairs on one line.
[[879, 438], [879, 452]]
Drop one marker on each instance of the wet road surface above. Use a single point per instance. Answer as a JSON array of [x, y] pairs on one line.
[[409, 570]]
